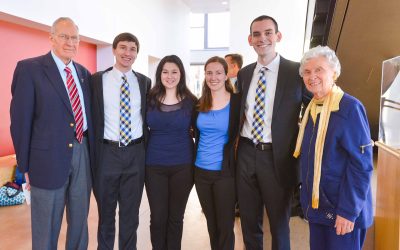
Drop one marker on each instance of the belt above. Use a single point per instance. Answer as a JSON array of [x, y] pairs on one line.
[[116, 144], [85, 133], [260, 146]]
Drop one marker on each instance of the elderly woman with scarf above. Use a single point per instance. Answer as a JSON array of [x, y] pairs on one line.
[[335, 152]]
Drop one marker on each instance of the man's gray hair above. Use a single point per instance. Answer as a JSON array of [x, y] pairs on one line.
[[59, 20], [323, 51]]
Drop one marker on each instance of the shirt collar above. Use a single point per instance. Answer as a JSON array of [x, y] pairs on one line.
[[273, 66], [60, 64], [118, 74]]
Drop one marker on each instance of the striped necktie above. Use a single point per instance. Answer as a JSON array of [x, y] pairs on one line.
[[125, 133], [75, 104], [259, 108]]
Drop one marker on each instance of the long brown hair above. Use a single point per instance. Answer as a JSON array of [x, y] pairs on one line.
[[205, 101], [157, 93]]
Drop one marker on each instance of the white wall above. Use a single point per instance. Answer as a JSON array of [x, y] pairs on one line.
[[161, 26], [291, 18], [201, 56]]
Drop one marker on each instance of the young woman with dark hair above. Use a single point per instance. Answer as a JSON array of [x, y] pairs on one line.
[[169, 155]]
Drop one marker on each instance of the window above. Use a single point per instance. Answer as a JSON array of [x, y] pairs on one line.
[[218, 30], [209, 31], [196, 76], [196, 31]]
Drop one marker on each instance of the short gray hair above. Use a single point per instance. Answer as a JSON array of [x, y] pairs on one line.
[[59, 20], [324, 51]]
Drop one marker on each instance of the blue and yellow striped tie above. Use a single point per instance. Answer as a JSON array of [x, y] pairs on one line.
[[125, 133], [259, 108]]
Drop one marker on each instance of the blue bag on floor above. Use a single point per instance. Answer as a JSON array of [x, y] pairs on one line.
[[19, 177], [11, 194]]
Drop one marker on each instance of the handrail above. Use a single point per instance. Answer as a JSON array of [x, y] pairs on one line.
[[393, 151]]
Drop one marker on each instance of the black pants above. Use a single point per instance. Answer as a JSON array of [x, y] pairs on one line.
[[168, 190], [258, 186], [119, 179], [217, 198]]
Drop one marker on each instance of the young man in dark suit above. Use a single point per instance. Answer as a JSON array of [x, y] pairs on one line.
[[51, 130], [266, 171], [119, 106]]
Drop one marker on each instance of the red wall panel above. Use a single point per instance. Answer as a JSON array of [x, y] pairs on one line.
[[19, 42]]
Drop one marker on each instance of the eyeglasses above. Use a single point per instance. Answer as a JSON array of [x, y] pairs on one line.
[[66, 38]]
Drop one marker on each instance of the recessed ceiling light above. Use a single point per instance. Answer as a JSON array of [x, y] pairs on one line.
[[224, 2]]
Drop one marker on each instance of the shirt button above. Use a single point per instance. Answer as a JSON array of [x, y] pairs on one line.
[[70, 145], [71, 124]]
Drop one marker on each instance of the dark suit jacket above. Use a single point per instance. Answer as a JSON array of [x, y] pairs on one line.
[[42, 121], [228, 161], [98, 110], [290, 93]]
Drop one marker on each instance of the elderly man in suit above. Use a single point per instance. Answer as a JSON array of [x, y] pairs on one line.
[[119, 106], [50, 121], [266, 171]]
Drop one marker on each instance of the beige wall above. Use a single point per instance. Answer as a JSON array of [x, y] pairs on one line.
[[364, 33]]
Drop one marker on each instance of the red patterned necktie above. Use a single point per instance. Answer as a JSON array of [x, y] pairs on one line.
[[76, 105]]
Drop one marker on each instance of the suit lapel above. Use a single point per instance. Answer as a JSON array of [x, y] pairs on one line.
[[84, 86], [247, 76], [280, 85], [98, 86], [142, 87], [55, 79]]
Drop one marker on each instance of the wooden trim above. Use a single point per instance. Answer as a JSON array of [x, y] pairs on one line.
[[393, 151], [387, 217]]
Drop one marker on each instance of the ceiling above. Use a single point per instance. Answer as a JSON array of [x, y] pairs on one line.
[[207, 6]]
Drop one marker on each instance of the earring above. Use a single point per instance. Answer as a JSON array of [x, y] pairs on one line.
[[335, 77]]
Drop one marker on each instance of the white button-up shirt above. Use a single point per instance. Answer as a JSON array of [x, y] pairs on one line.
[[271, 76], [112, 81]]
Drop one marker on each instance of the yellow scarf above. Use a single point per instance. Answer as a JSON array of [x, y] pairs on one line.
[[330, 104]]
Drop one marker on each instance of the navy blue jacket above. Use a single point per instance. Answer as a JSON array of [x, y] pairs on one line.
[[42, 121], [346, 169]]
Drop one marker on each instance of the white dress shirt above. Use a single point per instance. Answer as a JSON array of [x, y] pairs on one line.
[[112, 81], [271, 76]]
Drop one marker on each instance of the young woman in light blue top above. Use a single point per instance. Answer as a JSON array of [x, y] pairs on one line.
[[217, 123]]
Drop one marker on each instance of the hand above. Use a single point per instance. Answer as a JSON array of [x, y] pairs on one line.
[[28, 184], [343, 226]]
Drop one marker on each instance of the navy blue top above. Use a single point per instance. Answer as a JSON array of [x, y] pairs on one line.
[[170, 142], [213, 127]]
